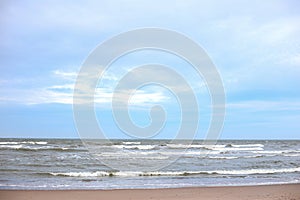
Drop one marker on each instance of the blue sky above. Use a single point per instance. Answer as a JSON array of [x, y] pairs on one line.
[[254, 44]]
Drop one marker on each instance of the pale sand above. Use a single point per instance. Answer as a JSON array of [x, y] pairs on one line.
[[270, 192]]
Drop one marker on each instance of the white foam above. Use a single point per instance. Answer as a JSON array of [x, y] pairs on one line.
[[247, 145], [32, 148], [224, 157], [176, 173], [238, 149], [11, 146], [219, 147], [268, 152], [82, 174], [258, 171], [186, 146], [277, 152], [292, 155], [132, 155], [189, 153], [9, 142], [24, 142], [41, 142], [141, 147], [131, 142]]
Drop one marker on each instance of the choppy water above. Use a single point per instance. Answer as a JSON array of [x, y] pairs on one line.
[[67, 164]]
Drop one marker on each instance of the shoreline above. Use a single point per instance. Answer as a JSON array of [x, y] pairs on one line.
[[183, 187], [259, 192]]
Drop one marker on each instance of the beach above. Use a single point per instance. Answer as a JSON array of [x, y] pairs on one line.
[[263, 192]]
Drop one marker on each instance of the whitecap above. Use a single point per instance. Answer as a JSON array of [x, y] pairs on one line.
[[131, 142], [11, 146], [141, 147], [175, 173], [247, 145]]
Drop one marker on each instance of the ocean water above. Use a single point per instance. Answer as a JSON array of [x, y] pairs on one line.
[[67, 164]]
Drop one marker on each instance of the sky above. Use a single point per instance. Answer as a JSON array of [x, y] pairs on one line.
[[255, 46]]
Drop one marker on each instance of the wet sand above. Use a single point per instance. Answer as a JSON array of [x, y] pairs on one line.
[[266, 192]]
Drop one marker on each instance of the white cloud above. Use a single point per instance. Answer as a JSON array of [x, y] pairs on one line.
[[63, 93], [65, 75], [254, 39], [141, 97], [65, 86]]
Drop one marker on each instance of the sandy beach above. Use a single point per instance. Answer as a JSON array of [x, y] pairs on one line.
[[266, 192]]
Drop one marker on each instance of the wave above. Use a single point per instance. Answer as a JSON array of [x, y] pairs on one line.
[[175, 173], [292, 155], [24, 142], [140, 147], [203, 156], [133, 155], [245, 145], [131, 142], [21, 147], [259, 171], [11, 146], [187, 146], [9, 143], [239, 149], [82, 174], [277, 151], [223, 157], [219, 147], [190, 153], [253, 156]]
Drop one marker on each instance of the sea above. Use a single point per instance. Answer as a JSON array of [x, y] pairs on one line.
[[62, 164]]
